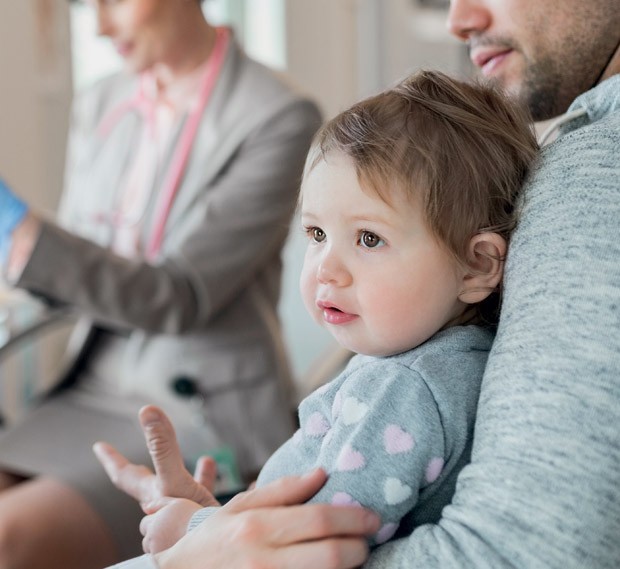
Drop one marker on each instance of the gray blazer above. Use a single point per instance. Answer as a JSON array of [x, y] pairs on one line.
[[206, 310]]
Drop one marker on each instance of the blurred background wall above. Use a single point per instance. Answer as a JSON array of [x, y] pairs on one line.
[[337, 50], [35, 92]]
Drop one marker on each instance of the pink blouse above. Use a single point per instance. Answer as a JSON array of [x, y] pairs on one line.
[[162, 111]]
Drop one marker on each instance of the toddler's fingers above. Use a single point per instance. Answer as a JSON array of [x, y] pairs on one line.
[[126, 476], [163, 448], [206, 472]]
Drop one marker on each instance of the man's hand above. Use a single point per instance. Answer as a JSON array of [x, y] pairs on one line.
[[171, 479], [271, 527]]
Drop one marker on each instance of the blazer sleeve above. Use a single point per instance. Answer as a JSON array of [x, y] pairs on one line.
[[241, 230]]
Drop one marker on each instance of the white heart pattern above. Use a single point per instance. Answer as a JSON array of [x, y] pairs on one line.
[[396, 491], [336, 405], [353, 410]]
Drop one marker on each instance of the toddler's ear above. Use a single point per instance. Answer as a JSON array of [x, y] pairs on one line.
[[486, 253]]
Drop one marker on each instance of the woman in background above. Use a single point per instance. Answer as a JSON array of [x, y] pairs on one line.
[[181, 179]]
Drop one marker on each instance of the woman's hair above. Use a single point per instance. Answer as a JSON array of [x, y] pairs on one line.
[[462, 148]]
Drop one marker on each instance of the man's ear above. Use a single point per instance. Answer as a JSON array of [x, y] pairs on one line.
[[485, 267]]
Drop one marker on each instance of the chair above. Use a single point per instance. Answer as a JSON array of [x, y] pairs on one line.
[[36, 347]]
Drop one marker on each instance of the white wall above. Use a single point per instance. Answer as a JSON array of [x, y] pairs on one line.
[[417, 38], [321, 44], [343, 50], [35, 93]]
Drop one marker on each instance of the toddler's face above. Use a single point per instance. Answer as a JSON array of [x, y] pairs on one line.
[[373, 274]]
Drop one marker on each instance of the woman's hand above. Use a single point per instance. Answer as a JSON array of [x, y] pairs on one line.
[[271, 528], [12, 210], [168, 524], [171, 479]]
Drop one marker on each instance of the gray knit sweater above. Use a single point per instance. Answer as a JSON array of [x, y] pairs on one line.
[[543, 488]]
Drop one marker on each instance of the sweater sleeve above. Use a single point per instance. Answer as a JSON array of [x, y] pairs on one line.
[[380, 440], [542, 488], [200, 516]]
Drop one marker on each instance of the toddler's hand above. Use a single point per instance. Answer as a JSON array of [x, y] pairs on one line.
[[163, 528], [170, 479]]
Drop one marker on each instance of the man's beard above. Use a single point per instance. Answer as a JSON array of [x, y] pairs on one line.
[[552, 83], [543, 91]]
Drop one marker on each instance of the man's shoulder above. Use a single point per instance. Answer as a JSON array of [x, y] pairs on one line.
[[594, 127], [601, 135], [587, 155]]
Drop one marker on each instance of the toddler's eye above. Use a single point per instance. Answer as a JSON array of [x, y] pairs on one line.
[[317, 234], [370, 240]]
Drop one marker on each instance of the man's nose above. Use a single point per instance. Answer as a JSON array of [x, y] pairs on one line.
[[467, 17]]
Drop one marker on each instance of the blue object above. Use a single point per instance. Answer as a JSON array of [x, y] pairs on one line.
[[12, 212]]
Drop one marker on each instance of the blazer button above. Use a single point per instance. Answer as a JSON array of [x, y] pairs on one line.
[[184, 386]]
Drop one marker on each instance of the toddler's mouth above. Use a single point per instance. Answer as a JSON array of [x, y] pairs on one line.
[[334, 315]]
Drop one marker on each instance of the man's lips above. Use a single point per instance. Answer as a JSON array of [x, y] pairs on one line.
[[334, 315], [489, 58]]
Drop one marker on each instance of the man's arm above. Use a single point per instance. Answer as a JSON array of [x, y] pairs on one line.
[[266, 528], [542, 488]]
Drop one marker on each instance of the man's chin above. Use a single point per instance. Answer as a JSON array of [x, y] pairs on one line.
[[509, 79]]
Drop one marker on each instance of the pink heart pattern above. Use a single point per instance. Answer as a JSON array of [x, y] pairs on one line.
[[434, 468], [350, 459], [344, 499], [316, 425], [396, 440], [385, 533]]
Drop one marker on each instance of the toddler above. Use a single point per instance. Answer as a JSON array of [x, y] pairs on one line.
[[407, 201]]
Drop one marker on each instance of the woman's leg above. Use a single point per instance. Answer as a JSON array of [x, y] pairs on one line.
[[44, 524], [8, 480]]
